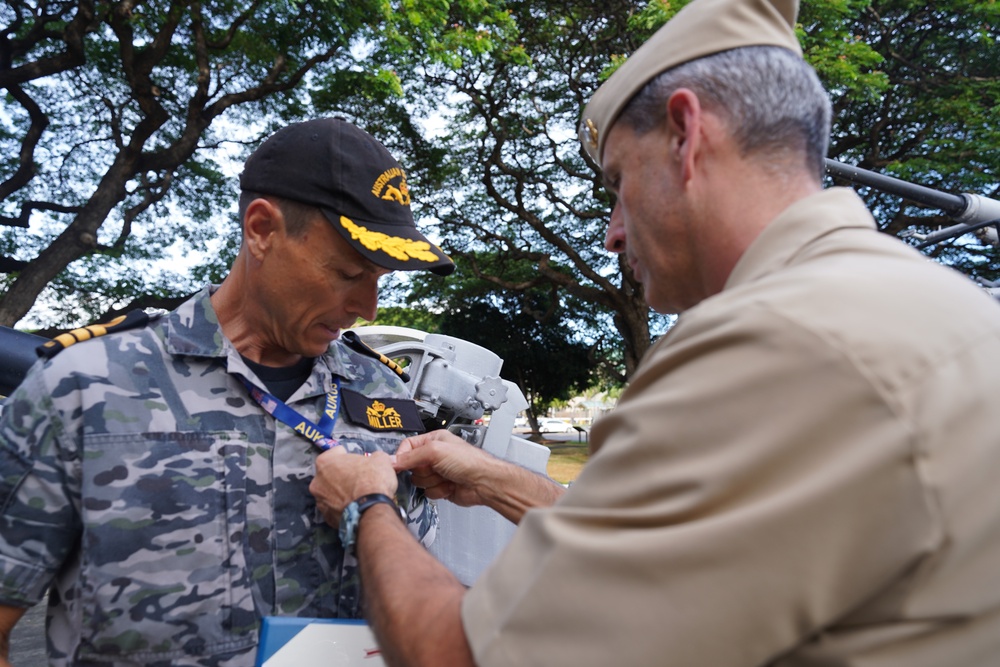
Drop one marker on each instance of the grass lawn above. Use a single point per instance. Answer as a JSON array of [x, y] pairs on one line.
[[565, 460]]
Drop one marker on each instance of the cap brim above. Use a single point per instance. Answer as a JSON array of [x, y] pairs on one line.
[[391, 246]]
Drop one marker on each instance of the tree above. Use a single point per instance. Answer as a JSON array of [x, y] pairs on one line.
[[411, 318], [529, 330], [110, 104], [526, 193], [120, 115], [914, 89], [134, 95], [540, 357]]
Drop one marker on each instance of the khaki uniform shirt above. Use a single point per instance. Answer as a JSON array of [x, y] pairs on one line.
[[804, 471]]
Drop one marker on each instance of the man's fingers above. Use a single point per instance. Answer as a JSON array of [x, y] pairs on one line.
[[405, 447], [417, 441], [443, 491], [421, 456], [327, 457], [425, 478], [342, 477]]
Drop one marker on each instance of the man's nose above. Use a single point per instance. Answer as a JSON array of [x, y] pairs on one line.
[[364, 300], [614, 239]]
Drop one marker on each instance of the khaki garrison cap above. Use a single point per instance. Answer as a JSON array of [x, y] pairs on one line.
[[699, 29]]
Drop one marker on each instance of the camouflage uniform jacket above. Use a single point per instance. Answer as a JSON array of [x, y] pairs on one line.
[[167, 511]]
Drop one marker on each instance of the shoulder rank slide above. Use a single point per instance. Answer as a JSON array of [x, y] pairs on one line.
[[131, 320], [355, 343]]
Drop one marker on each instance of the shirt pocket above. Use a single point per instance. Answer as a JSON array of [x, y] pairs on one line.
[[163, 571]]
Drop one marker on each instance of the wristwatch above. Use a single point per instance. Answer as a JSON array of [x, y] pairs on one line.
[[351, 516]]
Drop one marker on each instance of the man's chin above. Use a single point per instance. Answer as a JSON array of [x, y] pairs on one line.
[[319, 343]]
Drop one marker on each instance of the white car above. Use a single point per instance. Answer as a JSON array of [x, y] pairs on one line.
[[550, 425]]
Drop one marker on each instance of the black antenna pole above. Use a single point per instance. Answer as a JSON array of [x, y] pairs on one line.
[[972, 212], [952, 205]]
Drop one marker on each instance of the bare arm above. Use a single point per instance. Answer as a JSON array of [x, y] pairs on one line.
[[9, 616], [448, 467], [412, 602]]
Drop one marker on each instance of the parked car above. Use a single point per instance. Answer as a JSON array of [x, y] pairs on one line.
[[551, 425]]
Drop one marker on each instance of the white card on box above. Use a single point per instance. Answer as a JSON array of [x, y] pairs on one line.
[[309, 642]]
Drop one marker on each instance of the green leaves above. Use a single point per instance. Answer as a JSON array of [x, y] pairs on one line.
[[129, 122], [831, 43], [916, 88], [449, 33]]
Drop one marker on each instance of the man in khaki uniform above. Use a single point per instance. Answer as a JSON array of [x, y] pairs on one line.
[[803, 471]]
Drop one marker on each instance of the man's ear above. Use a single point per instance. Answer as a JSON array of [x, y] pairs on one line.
[[684, 122], [262, 220]]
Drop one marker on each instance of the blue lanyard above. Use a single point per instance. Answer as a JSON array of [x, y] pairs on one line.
[[320, 434]]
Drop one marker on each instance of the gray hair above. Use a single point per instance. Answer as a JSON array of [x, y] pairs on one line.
[[770, 99]]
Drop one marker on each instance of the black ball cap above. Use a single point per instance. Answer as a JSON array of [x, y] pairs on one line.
[[345, 172]]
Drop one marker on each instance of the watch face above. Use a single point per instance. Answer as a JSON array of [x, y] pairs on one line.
[[348, 528]]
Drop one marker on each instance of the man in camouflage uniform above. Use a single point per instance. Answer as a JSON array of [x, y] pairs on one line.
[[150, 478]]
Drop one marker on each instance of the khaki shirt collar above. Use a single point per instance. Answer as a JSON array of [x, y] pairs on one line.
[[795, 228]]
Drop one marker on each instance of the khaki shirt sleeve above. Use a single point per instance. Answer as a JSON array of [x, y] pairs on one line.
[[752, 486]]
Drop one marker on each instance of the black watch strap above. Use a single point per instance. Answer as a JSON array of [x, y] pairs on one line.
[[351, 517], [372, 499]]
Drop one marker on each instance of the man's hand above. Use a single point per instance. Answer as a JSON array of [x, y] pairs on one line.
[[446, 466], [424, 625], [342, 477]]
